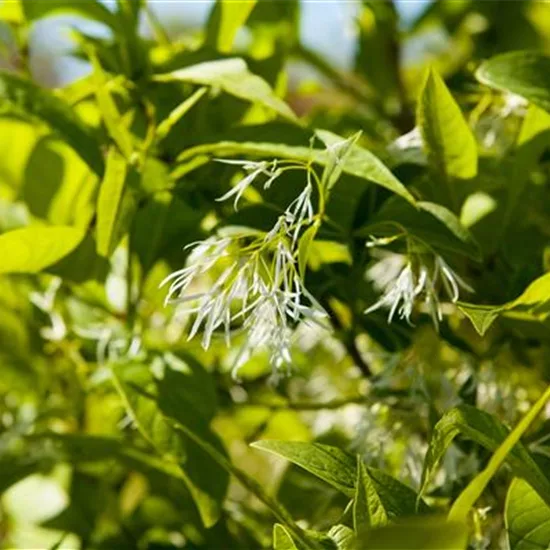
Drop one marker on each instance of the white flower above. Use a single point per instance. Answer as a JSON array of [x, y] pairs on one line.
[[254, 169], [260, 289], [400, 294], [401, 286]]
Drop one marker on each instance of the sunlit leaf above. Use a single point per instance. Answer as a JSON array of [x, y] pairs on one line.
[[23, 98], [358, 161], [420, 534], [116, 203], [525, 73], [368, 510], [534, 301], [90, 9], [233, 77], [468, 497], [226, 19], [282, 539], [527, 517], [448, 140], [32, 249], [487, 431]]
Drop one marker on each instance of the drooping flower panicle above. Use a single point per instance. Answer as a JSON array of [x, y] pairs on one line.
[[402, 285], [259, 288]]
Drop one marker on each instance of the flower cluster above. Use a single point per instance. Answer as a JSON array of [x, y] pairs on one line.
[[258, 286], [403, 280]]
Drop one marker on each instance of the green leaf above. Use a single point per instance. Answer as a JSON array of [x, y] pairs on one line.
[[527, 518], [184, 396], [534, 302], [32, 249], [64, 194], [116, 203], [339, 469], [420, 534], [227, 18], [482, 317], [109, 111], [488, 432], [21, 97], [343, 536], [304, 247], [368, 510], [178, 113], [466, 500], [82, 449], [187, 397], [90, 9], [448, 140], [331, 464], [358, 162], [525, 73], [282, 539], [337, 151], [136, 384], [429, 222], [232, 77]]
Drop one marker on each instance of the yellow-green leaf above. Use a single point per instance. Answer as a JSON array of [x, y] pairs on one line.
[[475, 488], [420, 534], [525, 73], [368, 510], [116, 203], [448, 140], [233, 77], [227, 18], [32, 249], [22, 98], [527, 518]]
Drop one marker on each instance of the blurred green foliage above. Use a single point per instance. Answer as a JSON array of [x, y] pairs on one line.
[[431, 154]]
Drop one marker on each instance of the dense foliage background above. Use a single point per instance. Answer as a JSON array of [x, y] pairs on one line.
[[353, 336]]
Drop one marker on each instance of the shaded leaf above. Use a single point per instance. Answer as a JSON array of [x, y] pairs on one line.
[[339, 469], [430, 222]]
